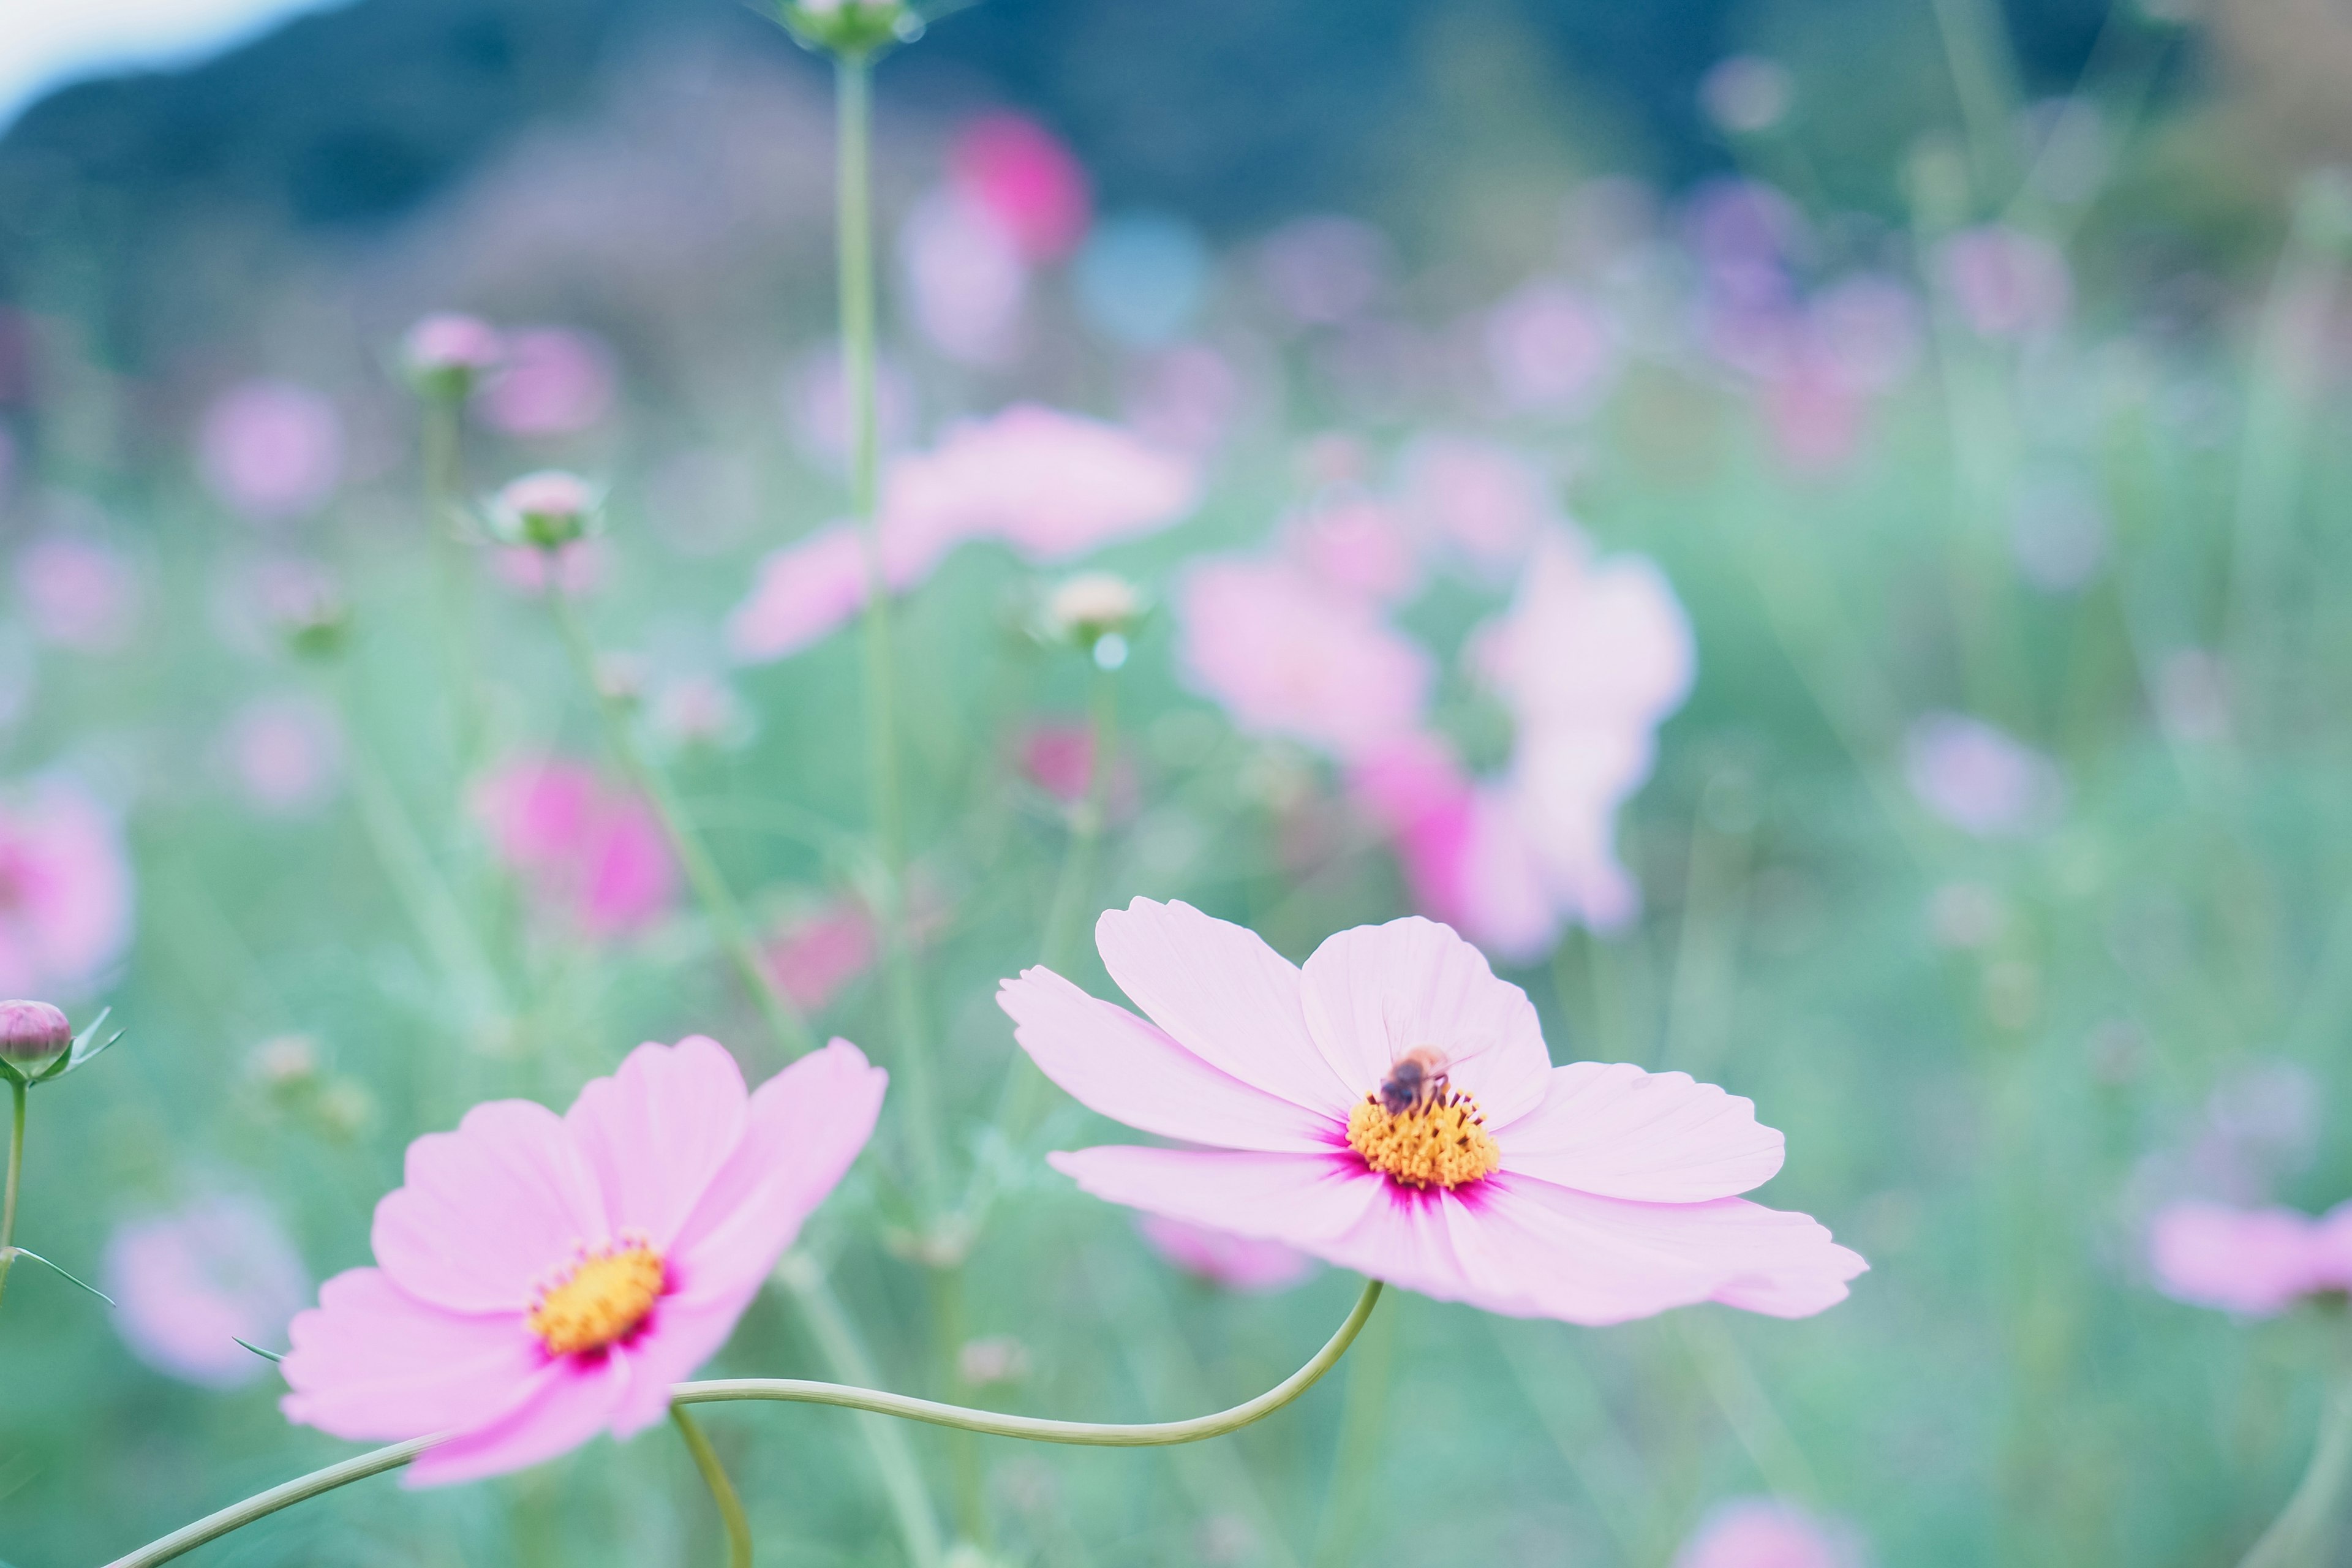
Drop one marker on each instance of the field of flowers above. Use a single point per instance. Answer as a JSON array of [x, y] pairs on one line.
[[986, 682]]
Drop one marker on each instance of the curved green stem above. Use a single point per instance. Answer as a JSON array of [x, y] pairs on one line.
[[722, 1490], [15, 1174], [783, 1019], [2310, 1531], [796, 1391]]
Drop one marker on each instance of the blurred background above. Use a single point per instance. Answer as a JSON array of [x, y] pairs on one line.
[[1977, 377]]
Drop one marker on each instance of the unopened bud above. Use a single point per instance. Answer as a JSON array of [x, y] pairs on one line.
[[307, 607], [33, 1035], [854, 29], [545, 510], [1093, 607], [285, 1062], [446, 354], [1000, 1358]]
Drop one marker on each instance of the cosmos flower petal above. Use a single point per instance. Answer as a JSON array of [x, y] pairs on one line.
[[806, 1125], [1374, 993], [1114, 1062], [1305, 1200], [657, 1130], [2253, 1262], [1224, 995], [372, 1364], [1613, 1129], [682, 1335], [571, 1401], [486, 1210]]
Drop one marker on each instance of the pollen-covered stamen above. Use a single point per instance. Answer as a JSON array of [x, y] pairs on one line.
[[599, 1297], [1442, 1143]]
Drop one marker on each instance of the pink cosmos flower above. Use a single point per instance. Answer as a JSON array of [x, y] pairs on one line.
[[542, 1277], [1815, 417], [966, 279], [450, 352], [557, 381], [1220, 1257], [2254, 1262], [190, 1283], [1285, 656], [286, 753], [271, 450], [1764, 1532], [592, 855], [1590, 1193], [79, 594], [1589, 643], [814, 956], [64, 890], [1024, 178], [1977, 778], [1550, 347], [2007, 283], [1355, 546], [1485, 500], [1060, 760], [1052, 486], [811, 588], [579, 568]]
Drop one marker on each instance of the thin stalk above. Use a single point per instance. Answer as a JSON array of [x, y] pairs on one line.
[[15, 1175], [2308, 1531], [722, 1490], [440, 441], [794, 1391], [726, 916]]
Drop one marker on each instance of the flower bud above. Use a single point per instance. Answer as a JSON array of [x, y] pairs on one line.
[[33, 1035], [1095, 610], [307, 607], [545, 510], [446, 354], [854, 29]]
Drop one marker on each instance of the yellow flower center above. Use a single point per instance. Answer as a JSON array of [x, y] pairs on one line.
[[1441, 1144], [598, 1299]]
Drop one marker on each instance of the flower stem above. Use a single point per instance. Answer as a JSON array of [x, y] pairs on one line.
[[16, 1174], [440, 437], [1035, 1429], [2310, 1531], [783, 1019], [1086, 824], [722, 1490]]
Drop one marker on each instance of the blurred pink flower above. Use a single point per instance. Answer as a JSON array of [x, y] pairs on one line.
[[1764, 1532], [1322, 270], [1285, 656], [1483, 500], [592, 855], [1592, 1194], [815, 585], [1977, 778], [814, 956], [558, 381], [1059, 759], [1357, 545], [1550, 347], [2254, 1262], [1593, 643], [1024, 178], [270, 449], [1815, 416], [286, 752], [449, 352], [540, 1277], [2007, 283], [700, 711], [966, 279], [1867, 327], [188, 1283], [1236, 1262], [79, 594], [1184, 398], [578, 570], [64, 890], [1052, 486]]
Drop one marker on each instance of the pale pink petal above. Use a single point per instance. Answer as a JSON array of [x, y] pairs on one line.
[[572, 1399], [2331, 1250], [2253, 1262], [1374, 993], [1236, 1262], [807, 1123], [1226, 998], [371, 1363], [1765, 1533], [1613, 1129], [488, 1210], [799, 594], [658, 1132], [1307, 1200], [1114, 1062]]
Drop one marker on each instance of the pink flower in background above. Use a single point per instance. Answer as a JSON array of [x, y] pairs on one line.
[[190, 1283], [1023, 177], [579, 568], [286, 752], [1868, 329], [1815, 416], [270, 449], [1977, 778], [1236, 1262], [1357, 545], [558, 381], [64, 890], [966, 279], [2007, 283], [1590, 1193], [1060, 758], [1184, 398], [447, 352], [1550, 347], [1483, 500], [700, 711], [1052, 486], [814, 956], [1322, 270], [815, 585], [1593, 643], [2254, 1262], [79, 594], [589, 854], [1764, 1532], [1285, 656], [540, 1279]]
